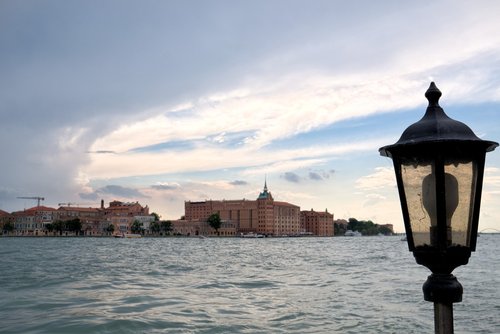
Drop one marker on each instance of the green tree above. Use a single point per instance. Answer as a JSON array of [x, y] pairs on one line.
[[110, 228], [385, 230], [136, 227], [166, 226], [215, 222], [367, 227], [49, 227], [8, 227], [59, 226], [339, 229], [155, 227], [157, 216], [74, 225]]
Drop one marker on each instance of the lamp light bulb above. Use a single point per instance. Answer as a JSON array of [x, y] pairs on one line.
[[429, 200]]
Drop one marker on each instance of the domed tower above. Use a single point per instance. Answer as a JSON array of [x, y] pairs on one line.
[[265, 194], [265, 208]]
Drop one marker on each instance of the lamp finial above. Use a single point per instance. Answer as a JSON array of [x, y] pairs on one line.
[[433, 94]]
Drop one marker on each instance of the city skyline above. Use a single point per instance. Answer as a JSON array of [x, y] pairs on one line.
[[166, 102]]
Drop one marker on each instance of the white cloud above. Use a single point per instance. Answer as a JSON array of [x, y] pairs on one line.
[[295, 72], [382, 178]]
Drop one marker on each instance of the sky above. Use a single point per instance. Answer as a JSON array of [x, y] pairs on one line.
[[163, 102]]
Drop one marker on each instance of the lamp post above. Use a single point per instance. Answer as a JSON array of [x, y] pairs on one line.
[[439, 167]]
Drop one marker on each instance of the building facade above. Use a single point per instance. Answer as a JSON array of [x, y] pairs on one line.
[[263, 215], [317, 223], [32, 221], [92, 219]]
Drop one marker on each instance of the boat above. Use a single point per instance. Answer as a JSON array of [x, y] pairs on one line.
[[128, 235], [350, 233], [251, 235], [132, 235]]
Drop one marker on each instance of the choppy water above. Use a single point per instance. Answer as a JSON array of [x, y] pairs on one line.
[[226, 285]]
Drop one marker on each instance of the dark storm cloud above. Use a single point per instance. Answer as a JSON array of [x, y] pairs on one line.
[[291, 177]]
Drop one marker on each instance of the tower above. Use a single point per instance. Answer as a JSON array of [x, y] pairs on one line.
[[265, 208]]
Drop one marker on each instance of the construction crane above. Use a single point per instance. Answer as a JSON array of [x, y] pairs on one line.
[[38, 198]]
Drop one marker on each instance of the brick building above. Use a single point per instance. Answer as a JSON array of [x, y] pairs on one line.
[[317, 223], [263, 215]]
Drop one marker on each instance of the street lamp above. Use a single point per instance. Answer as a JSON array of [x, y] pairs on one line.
[[439, 166]]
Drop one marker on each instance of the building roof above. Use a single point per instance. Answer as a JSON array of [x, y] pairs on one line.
[[40, 208], [68, 208], [4, 213], [276, 203]]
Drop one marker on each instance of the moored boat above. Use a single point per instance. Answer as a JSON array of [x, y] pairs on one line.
[[350, 233], [251, 235], [132, 235]]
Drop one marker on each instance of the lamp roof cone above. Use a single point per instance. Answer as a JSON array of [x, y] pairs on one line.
[[436, 127]]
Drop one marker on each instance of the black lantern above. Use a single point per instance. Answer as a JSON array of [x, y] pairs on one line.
[[439, 166]]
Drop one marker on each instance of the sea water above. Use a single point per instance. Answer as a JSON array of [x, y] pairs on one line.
[[233, 285]]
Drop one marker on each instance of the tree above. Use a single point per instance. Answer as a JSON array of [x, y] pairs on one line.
[[339, 229], [136, 227], [110, 228], [8, 227], [166, 226], [74, 225], [367, 227], [157, 216], [215, 222], [154, 227], [58, 226]]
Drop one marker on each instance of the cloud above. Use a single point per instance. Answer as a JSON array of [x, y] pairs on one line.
[[114, 190], [291, 177], [315, 176], [102, 152], [165, 186], [176, 88], [382, 178], [89, 196], [238, 183], [320, 175]]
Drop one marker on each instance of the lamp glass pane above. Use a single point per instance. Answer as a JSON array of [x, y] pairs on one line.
[[460, 220], [420, 220]]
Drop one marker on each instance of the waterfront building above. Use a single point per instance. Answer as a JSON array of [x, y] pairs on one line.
[[117, 208], [263, 215], [123, 214], [145, 221], [92, 219], [32, 221], [317, 223], [201, 227]]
